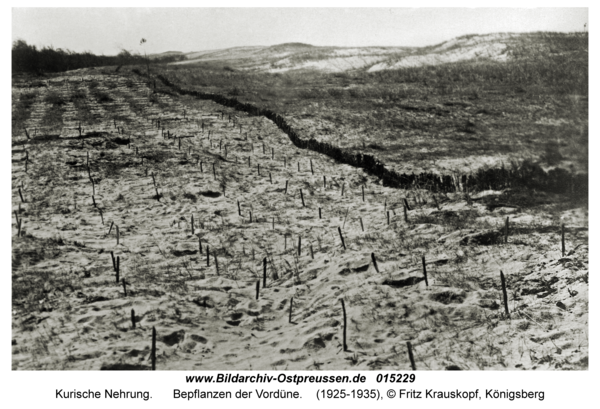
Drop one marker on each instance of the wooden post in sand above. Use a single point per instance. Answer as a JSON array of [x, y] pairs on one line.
[[207, 256], [132, 318], [341, 237], [363, 193], [239, 209], [117, 234], [410, 356], [424, 271], [302, 197], [311, 167], [345, 346], [374, 262], [362, 227], [114, 263], [257, 288], [319, 212], [286, 186], [299, 246], [192, 224], [117, 270], [124, 288], [153, 351], [563, 239], [265, 272], [504, 294], [199, 246]]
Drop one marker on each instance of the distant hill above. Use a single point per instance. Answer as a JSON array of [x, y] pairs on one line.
[[300, 56]]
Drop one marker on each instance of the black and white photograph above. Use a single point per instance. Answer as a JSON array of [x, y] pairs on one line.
[[357, 189]]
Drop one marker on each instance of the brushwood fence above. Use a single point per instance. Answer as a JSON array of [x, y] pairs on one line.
[[526, 174]]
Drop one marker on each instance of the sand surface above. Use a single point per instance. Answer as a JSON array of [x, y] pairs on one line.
[[69, 312]]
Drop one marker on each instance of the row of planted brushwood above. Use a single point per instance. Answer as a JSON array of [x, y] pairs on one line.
[[524, 175]]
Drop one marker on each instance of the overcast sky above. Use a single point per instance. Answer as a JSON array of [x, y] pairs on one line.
[[108, 30]]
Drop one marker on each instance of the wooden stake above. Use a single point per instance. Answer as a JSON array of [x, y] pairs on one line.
[[343, 184], [361, 224], [302, 197], [405, 215], [319, 212], [425, 271], [258, 168], [311, 167], [250, 213], [504, 294], [406, 204], [199, 246], [299, 245], [153, 351], [216, 263], [111, 226], [192, 224], [257, 288], [563, 239], [410, 356], [345, 346], [239, 209], [388, 217], [272, 153], [312, 254], [324, 182], [270, 178], [341, 237], [118, 269], [117, 235], [124, 288], [265, 272], [291, 303], [132, 318], [286, 186], [374, 262], [363, 193], [21, 195]]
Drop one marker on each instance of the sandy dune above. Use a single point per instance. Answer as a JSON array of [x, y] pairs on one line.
[[70, 313]]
